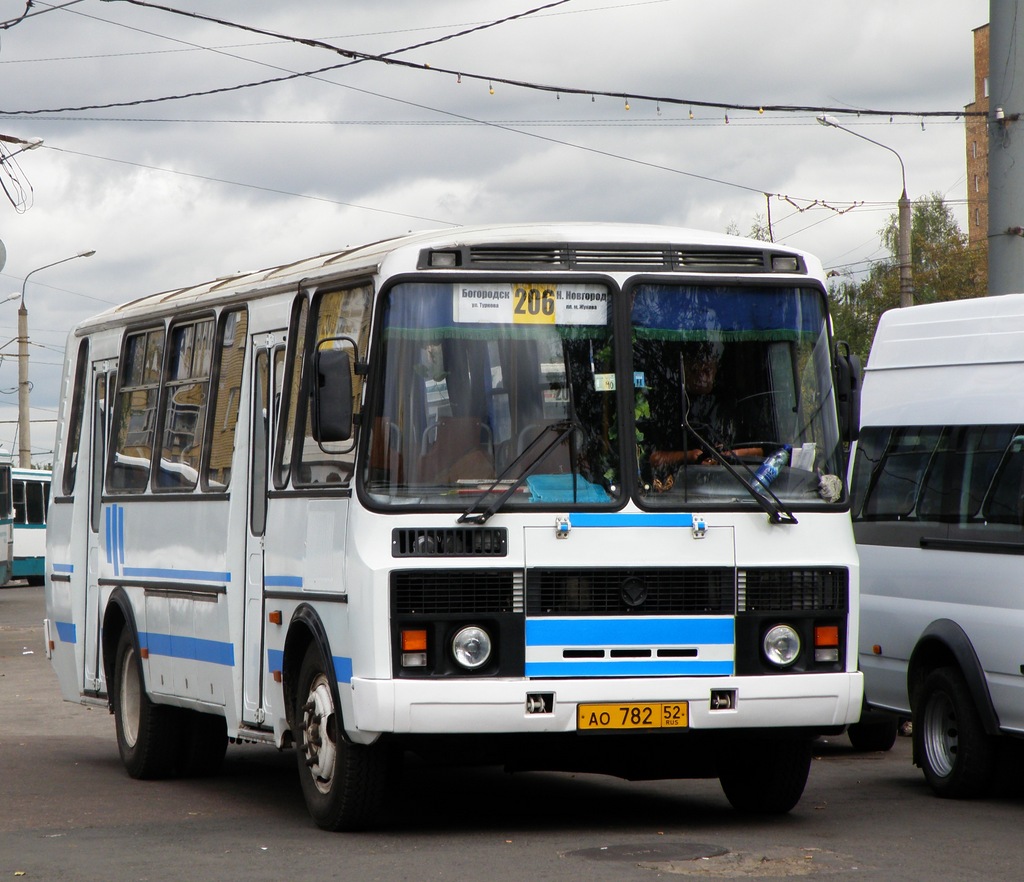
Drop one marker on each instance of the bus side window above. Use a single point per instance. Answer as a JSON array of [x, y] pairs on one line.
[[343, 313], [79, 384], [135, 418], [185, 397], [227, 387]]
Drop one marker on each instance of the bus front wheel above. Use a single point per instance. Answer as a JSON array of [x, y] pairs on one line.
[[146, 732], [764, 776], [344, 784]]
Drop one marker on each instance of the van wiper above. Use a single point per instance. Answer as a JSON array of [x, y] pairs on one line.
[[561, 430], [776, 511]]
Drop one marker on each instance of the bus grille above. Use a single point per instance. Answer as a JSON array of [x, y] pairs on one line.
[[444, 592], [619, 591], [449, 542], [783, 589]]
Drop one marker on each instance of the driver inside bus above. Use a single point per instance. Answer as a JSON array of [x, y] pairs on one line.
[[701, 418]]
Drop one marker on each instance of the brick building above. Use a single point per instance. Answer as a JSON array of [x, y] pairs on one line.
[[977, 146]]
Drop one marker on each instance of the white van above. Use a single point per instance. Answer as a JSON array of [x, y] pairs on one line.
[[938, 509]]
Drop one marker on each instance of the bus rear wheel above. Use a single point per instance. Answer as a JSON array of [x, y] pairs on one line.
[[146, 732], [764, 776], [344, 784]]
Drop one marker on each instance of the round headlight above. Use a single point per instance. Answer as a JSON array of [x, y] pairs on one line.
[[782, 645], [472, 647]]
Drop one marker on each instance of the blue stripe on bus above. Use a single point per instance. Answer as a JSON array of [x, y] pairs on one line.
[[67, 632], [342, 665], [629, 632], [174, 646], [63, 568], [282, 581], [678, 668], [180, 575], [625, 519]]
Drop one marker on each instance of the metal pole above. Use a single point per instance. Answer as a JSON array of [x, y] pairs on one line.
[[24, 420], [1006, 148], [904, 217]]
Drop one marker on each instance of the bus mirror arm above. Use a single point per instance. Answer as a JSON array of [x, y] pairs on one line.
[[332, 396], [849, 377]]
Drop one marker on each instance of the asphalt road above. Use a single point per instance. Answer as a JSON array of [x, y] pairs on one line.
[[68, 811]]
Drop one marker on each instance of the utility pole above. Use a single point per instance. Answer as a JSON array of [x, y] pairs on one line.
[[1006, 148]]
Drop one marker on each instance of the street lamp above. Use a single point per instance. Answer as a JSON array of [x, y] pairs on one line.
[[24, 423], [906, 280]]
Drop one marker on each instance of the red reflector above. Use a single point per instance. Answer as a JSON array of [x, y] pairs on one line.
[[275, 617], [414, 641], [826, 635], [144, 653]]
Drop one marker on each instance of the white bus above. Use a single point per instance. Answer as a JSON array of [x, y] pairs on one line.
[[456, 494], [31, 495], [938, 506]]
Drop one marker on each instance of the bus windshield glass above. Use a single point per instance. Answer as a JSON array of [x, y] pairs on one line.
[[481, 382], [728, 376]]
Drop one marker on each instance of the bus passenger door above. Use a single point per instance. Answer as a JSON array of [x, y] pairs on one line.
[[102, 378], [268, 361]]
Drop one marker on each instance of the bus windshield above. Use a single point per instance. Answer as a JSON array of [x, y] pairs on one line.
[[726, 375], [488, 387], [480, 379]]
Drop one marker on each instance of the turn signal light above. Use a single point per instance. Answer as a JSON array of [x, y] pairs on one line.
[[826, 643], [414, 641]]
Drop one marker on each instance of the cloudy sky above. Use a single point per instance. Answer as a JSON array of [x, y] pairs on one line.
[[172, 192]]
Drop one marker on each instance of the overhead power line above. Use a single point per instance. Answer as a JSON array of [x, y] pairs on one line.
[[356, 57]]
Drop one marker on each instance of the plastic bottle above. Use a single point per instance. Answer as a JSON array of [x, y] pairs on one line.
[[768, 471]]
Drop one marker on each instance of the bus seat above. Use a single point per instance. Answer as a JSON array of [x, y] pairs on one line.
[[557, 462], [456, 448]]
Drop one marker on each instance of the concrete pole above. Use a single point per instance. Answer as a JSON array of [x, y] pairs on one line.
[[24, 423], [1006, 148], [906, 275]]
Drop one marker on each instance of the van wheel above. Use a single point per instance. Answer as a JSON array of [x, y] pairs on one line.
[[956, 755], [344, 784], [146, 732], [764, 776]]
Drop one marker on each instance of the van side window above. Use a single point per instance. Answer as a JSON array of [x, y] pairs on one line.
[[79, 383], [968, 476], [185, 398], [135, 418], [337, 314], [227, 399]]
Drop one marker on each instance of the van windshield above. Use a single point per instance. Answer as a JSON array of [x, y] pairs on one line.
[[478, 380]]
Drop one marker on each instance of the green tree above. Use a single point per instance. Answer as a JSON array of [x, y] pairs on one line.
[[944, 267]]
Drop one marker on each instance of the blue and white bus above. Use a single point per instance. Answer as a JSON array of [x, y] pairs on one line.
[[556, 496], [30, 490]]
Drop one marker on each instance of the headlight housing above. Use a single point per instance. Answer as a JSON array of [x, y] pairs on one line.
[[471, 647], [781, 645]]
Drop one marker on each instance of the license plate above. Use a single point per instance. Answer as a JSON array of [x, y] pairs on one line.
[[657, 715]]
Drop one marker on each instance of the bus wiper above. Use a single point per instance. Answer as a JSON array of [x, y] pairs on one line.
[[776, 511], [562, 430]]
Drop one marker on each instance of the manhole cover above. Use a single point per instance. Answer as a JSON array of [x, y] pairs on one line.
[[681, 851]]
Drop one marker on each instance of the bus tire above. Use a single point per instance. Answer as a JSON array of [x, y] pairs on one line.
[[955, 753], [874, 736], [765, 776], [344, 784], [203, 743], [146, 732]]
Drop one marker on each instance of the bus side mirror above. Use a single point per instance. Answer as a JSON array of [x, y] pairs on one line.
[[332, 396], [849, 376]]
